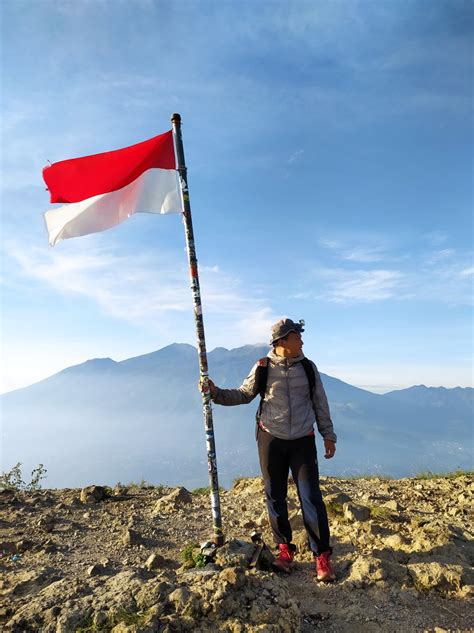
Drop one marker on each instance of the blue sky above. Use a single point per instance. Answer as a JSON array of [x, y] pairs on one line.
[[329, 151]]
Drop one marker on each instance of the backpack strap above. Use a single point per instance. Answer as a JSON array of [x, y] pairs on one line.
[[261, 375], [310, 375]]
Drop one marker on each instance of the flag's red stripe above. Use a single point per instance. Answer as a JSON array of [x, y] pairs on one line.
[[81, 178]]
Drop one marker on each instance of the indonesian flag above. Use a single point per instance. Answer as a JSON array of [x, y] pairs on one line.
[[105, 189]]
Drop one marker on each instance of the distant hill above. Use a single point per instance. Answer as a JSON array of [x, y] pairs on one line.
[[141, 418]]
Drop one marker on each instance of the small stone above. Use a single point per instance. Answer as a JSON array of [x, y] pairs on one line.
[[46, 523], [392, 505], [130, 537], [94, 570], [93, 494], [24, 545], [338, 498], [375, 529], [394, 541], [354, 512], [49, 547], [154, 561]]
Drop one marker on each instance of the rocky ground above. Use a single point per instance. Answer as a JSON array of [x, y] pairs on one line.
[[112, 560]]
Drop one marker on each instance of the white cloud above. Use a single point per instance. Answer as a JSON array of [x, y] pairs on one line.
[[360, 285], [436, 238], [135, 286], [439, 275], [439, 256], [254, 327], [151, 291], [364, 255], [364, 248], [295, 156]]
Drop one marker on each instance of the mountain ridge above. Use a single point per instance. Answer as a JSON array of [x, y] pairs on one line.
[[102, 361], [141, 418]]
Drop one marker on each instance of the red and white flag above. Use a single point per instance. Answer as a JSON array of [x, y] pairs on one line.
[[105, 189]]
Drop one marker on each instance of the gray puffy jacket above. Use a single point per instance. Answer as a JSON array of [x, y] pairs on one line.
[[287, 410]]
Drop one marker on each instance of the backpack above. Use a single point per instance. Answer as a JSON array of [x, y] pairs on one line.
[[261, 376]]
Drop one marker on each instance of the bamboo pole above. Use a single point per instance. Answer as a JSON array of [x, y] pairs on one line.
[[201, 342]]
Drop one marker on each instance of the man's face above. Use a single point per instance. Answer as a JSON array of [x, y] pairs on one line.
[[294, 343]]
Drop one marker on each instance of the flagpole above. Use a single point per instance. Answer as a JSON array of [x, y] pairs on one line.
[[203, 367]]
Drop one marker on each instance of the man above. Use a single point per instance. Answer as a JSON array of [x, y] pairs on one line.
[[293, 399]]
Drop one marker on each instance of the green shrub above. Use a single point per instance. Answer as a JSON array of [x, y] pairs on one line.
[[334, 508], [13, 480], [205, 491], [192, 556], [122, 616], [379, 512]]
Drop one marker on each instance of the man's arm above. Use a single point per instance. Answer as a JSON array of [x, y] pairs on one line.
[[242, 395], [321, 408]]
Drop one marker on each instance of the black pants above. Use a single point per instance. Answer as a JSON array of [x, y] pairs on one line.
[[277, 457]]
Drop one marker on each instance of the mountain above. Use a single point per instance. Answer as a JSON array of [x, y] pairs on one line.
[[141, 418]]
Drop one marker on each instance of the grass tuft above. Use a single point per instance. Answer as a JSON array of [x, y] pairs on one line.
[[452, 474], [192, 556], [122, 616], [379, 512], [205, 491]]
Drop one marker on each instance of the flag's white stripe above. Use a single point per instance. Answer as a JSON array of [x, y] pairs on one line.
[[154, 191]]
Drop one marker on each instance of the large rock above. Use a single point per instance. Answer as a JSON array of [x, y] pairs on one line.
[[235, 553], [178, 498], [93, 494], [367, 570], [442, 577], [184, 601]]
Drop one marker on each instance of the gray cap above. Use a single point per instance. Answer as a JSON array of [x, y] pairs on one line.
[[283, 327]]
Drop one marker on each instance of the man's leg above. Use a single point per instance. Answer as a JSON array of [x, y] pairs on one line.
[[274, 464], [304, 468]]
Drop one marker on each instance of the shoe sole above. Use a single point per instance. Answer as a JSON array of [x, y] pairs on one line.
[[329, 579]]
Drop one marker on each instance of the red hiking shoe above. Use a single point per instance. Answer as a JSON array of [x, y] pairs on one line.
[[284, 561], [324, 569]]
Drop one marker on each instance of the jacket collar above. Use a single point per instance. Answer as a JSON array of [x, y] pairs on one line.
[[282, 360]]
